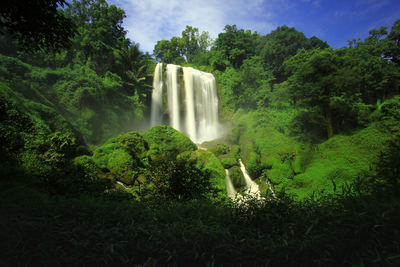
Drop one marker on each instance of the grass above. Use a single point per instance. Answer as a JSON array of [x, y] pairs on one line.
[[313, 168], [41, 230], [337, 161]]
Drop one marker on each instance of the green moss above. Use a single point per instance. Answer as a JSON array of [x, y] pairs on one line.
[[228, 162], [101, 155], [134, 144], [166, 143], [220, 149], [236, 175], [122, 166], [86, 167], [339, 160]]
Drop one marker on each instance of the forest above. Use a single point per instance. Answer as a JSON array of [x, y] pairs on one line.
[[85, 180]]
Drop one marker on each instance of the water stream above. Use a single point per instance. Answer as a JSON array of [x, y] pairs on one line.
[[252, 187], [229, 186]]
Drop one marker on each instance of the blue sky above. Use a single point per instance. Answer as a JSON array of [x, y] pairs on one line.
[[334, 21]]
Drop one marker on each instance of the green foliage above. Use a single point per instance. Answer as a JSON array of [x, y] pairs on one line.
[[387, 165], [125, 157], [37, 24], [100, 34], [192, 175], [388, 115], [220, 149], [345, 229], [96, 106], [183, 49], [228, 162], [122, 166], [234, 46], [165, 143], [282, 43], [208, 163], [134, 144], [339, 160], [236, 176]]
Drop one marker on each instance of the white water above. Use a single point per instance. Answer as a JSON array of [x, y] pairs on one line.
[[229, 186], [252, 187], [193, 109], [190, 117], [156, 96], [173, 95]]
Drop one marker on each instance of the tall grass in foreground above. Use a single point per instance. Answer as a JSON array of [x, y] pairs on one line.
[[348, 229]]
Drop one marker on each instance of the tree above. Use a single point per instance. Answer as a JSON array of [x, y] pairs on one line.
[[282, 43], [255, 84], [394, 36], [167, 51], [185, 48], [37, 24], [279, 45], [192, 43], [100, 36], [236, 45], [325, 81]]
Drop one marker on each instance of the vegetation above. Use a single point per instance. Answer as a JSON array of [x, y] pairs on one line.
[[83, 181]]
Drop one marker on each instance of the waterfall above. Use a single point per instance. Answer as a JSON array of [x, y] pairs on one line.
[[173, 95], [252, 187], [229, 186], [156, 96], [192, 102], [190, 111]]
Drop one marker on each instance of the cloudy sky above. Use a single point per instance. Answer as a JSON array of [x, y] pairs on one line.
[[334, 21]]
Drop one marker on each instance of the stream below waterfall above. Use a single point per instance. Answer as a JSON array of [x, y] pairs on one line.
[[252, 187]]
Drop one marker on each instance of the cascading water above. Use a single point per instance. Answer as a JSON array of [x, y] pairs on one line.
[[173, 95], [252, 187], [156, 96], [230, 189], [192, 109]]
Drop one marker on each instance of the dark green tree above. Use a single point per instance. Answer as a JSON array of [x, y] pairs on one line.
[[100, 34], [37, 24], [235, 45], [279, 45], [393, 51], [324, 82]]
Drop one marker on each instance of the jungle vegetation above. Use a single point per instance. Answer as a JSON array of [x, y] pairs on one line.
[[83, 181]]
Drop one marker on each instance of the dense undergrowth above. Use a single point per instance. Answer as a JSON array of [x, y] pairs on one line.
[[348, 229]]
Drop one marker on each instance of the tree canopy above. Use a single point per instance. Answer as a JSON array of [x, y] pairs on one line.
[[37, 24]]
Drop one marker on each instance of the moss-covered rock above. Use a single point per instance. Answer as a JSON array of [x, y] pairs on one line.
[[101, 155], [122, 166], [165, 143], [207, 162], [86, 167], [220, 149], [253, 165], [125, 157], [228, 162], [237, 178], [135, 145]]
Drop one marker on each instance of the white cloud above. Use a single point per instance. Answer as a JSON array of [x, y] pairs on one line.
[[148, 21]]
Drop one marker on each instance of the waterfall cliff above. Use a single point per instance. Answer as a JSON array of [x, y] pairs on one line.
[[189, 103]]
